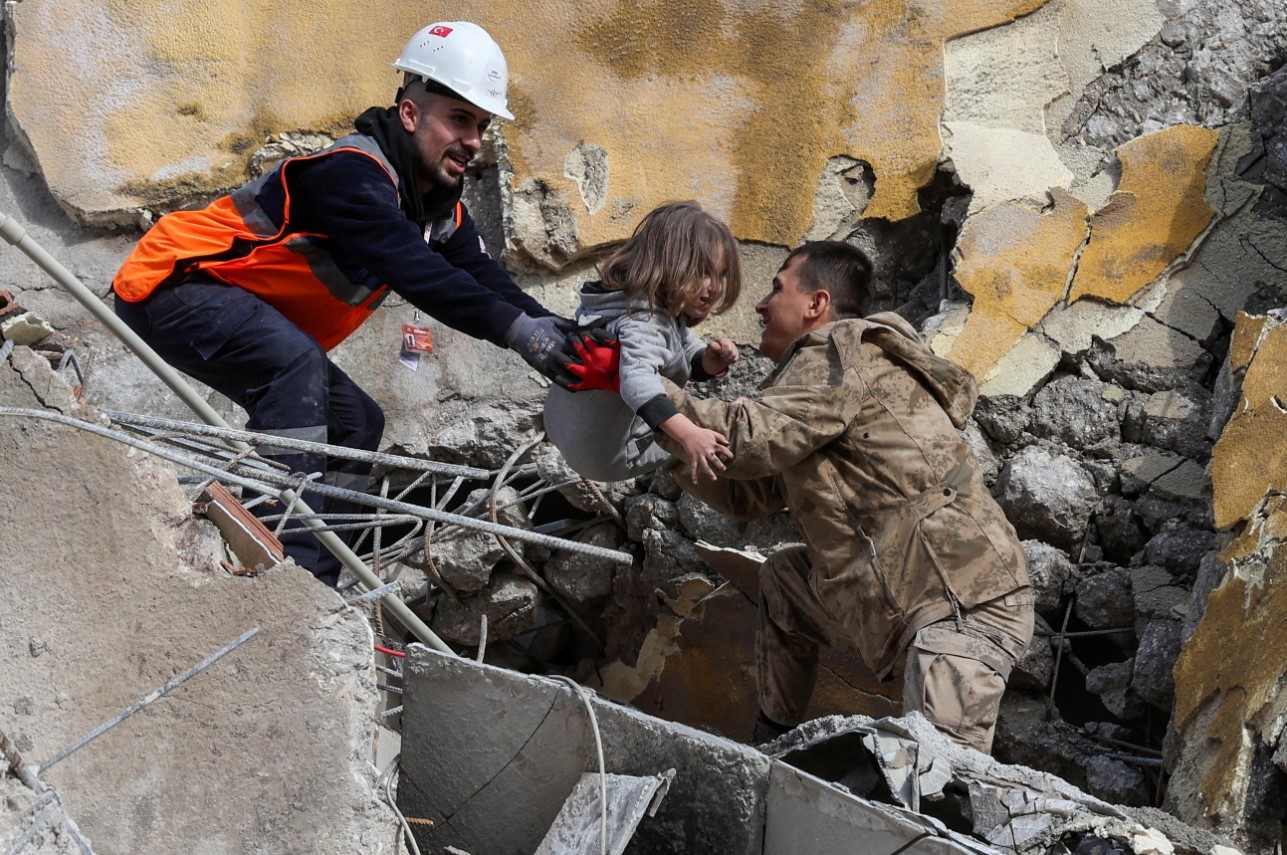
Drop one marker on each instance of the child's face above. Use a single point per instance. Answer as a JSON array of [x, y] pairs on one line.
[[699, 306]]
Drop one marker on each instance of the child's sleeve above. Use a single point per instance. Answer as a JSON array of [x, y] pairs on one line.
[[643, 353]]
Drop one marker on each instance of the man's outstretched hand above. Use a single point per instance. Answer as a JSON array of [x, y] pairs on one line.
[[543, 344], [574, 360]]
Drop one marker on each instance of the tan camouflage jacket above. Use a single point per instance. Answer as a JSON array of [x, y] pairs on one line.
[[855, 433]]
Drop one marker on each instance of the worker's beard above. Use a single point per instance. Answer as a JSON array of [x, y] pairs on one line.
[[437, 172]]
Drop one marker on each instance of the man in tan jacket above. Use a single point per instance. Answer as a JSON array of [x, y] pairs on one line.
[[907, 557]]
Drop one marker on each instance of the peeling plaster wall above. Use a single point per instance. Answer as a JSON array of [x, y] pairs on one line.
[[1230, 711]]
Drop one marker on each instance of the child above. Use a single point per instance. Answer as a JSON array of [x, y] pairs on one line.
[[679, 266]]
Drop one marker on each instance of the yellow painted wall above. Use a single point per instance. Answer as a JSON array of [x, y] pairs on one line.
[[737, 104]]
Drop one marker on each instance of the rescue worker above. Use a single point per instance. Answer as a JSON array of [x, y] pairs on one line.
[[907, 557], [248, 294]]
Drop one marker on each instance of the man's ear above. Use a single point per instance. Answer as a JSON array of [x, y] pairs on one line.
[[819, 305], [408, 112]]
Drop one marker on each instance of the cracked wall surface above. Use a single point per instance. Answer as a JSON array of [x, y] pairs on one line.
[[732, 103], [1230, 711], [1017, 261]]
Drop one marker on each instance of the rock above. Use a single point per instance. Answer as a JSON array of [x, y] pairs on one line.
[[586, 580], [1117, 782], [978, 443], [1156, 594], [668, 554], [1075, 411], [597, 497], [1002, 417], [510, 603], [1155, 661], [702, 522], [1169, 487], [1211, 572], [649, 511], [1104, 599], [1179, 547], [1032, 672], [1050, 573], [1047, 497], [1112, 683], [464, 557], [1177, 422], [1025, 735], [1121, 534]]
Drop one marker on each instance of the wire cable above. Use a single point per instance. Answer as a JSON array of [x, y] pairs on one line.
[[598, 748]]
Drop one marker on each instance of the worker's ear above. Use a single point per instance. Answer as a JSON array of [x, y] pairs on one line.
[[819, 305], [408, 113]]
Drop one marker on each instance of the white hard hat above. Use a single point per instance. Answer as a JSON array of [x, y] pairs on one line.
[[462, 57]]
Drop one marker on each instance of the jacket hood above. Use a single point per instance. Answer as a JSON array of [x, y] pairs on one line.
[[951, 385], [599, 304]]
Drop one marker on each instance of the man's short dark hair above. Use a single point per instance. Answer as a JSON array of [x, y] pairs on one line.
[[417, 87], [840, 268]]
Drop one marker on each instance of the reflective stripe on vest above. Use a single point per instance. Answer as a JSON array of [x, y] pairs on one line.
[[237, 241]]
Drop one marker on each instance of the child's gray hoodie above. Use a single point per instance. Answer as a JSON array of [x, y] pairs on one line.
[[606, 436]]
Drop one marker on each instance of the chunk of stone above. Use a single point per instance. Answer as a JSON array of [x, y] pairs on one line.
[[649, 511], [1121, 533], [1156, 593], [510, 603], [1163, 503], [25, 329], [1050, 573], [1033, 670], [1047, 497], [582, 493], [465, 557], [1177, 422], [586, 580], [1075, 411], [1117, 782], [1179, 547], [1002, 417], [978, 443], [1155, 661], [1112, 682], [1104, 599], [702, 522]]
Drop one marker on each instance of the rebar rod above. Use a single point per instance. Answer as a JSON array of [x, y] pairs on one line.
[[13, 233], [415, 463], [159, 693], [262, 483]]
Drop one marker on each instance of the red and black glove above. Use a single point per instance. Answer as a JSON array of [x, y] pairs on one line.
[[598, 359]]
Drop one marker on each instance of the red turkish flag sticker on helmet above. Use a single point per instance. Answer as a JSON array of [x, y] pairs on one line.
[[440, 31]]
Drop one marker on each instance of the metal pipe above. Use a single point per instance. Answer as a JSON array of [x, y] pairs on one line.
[[13, 233], [264, 481], [414, 463]]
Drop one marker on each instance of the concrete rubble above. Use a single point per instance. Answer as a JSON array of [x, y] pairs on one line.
[[893, 784], [112, 588], [1083, 201]]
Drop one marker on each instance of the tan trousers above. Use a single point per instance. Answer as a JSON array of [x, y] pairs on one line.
[[954, 675]]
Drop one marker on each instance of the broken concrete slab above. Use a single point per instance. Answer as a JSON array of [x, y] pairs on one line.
[[491, 755], [113, 588]]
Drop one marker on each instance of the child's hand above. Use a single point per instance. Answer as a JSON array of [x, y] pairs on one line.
[[706, 451], [720, 353]]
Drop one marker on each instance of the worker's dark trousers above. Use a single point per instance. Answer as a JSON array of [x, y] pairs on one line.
[[245, 349]]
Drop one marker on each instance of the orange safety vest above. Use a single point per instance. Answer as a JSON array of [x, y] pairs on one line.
[[237, 241]]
